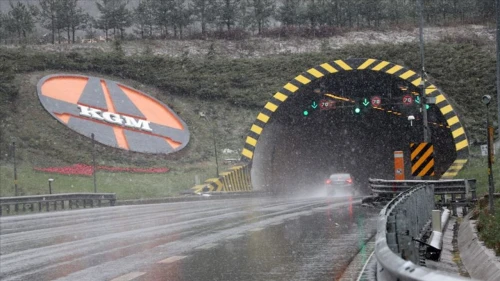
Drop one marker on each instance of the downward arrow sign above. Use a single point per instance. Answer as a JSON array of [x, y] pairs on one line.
[[314, 105], [366, 102]]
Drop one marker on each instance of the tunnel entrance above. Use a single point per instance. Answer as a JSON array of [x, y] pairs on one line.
[[347, 121]]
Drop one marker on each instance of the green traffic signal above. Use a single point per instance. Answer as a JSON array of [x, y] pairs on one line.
[[427, 106], [305, 112], [357, 110]]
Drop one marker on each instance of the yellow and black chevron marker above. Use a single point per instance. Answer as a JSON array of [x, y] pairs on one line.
[[422, 159]]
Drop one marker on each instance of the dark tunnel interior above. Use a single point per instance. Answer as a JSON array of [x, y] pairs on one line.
[[318, 132]]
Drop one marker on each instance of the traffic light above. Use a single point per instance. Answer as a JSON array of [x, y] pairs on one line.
[[357, 110], [305, 113]]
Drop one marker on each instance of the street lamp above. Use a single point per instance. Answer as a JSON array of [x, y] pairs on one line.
[[486, 100], [50, 185]]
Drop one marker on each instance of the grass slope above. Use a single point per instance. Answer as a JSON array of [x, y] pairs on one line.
[[231, 91]]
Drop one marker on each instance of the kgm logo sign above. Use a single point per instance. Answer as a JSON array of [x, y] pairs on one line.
[[117, 115]]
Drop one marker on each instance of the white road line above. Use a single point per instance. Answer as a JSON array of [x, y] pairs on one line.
[[172, 259], [129, 276], [206, 246], [256, 229], [364, 266]]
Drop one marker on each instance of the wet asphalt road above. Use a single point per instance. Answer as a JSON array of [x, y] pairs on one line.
[[236, 239]]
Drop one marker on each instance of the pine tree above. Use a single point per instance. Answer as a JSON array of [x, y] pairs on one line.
[[144, 18], [72, 18], [228, 13], [163, 15], [289, 12], [114, 15], [263, 10], [49, 16], [180, 16], [205, 12], [21, 19]]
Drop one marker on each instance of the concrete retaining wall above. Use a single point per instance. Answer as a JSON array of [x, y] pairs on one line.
[[481, 262]]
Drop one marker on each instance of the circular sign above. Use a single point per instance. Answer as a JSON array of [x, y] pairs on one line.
[[117, 115], [376, 101], [407, 100], [326, 104]]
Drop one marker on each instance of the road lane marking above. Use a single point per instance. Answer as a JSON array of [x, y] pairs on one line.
[[206, 246], [364, 267], [172, 259], [256, 229], [129, 276]]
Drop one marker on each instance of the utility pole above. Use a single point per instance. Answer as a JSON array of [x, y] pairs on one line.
[[212, 128], [422, 82], [498, 60], [489, 135]]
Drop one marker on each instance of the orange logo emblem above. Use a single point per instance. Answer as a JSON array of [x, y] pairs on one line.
[[118, 115]]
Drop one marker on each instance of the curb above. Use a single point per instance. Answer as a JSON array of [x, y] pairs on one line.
[[480, 262]]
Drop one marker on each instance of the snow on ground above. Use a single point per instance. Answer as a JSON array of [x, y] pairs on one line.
[[258, 47]]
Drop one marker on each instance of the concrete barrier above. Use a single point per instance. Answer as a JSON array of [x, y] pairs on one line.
[[480, 262]]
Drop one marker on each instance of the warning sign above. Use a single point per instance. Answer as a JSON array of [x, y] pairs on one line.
[[422, 159]]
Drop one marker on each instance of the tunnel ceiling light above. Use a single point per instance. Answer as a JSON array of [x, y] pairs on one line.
[[338, 98]]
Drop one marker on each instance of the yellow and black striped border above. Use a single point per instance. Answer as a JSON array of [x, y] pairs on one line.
[[329, 68], [236, 179]]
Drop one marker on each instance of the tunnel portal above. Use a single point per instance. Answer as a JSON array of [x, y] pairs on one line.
[[342, 117]]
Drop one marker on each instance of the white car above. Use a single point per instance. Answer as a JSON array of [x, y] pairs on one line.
[[340, 184]]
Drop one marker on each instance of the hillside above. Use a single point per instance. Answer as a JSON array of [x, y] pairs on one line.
[[231, 91]]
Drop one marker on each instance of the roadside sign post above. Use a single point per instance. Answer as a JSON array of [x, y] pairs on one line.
[[50, 185], [15, 169], [93, 162]]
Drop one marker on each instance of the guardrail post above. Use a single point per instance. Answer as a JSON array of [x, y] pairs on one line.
[[47, 206], [473, 189], [454, 204], [402, 232], [436, 220], [391, 233], [62, 204]]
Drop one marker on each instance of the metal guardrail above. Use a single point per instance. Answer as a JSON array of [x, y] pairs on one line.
[[50, 202], [461, 192], [401, 221]]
